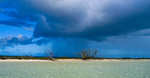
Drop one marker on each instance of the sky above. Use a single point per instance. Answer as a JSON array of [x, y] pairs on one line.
[[117, 28]]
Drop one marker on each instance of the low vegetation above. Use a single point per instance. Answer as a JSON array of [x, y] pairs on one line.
[[21, 57]]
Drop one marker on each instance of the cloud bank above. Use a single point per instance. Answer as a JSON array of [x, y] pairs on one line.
[[93, 20]]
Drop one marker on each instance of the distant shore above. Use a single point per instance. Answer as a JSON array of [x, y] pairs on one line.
[[68, 60], [61, 59]]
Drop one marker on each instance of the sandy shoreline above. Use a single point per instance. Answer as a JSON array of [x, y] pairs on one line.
[[69, 60]]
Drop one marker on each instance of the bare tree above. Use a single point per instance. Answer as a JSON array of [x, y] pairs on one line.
[[88, 53], [50, 54]]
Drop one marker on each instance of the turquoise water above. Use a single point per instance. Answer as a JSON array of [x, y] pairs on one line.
[[114, 69]]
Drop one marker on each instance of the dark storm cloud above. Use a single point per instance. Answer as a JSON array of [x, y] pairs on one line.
[[15, 19], [93, 20]]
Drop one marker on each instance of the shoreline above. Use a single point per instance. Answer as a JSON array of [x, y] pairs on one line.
[[69, 60]]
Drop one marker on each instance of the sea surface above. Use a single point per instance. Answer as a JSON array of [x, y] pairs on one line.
[[83, 69]]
